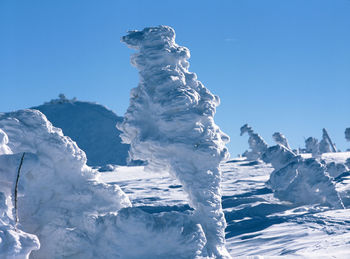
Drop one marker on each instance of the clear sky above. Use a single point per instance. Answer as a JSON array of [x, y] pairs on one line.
[[279, 65]]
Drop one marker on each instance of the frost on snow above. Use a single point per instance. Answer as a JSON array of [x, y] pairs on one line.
[[58, 196], [257, 144], [170, 124]]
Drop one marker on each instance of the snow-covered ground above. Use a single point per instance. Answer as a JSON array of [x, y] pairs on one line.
[[258, 223]]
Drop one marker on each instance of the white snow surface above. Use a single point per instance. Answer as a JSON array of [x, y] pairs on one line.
[[259, 225], [169, 124], [92, 126]]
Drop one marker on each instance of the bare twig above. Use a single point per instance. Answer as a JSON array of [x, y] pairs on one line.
[[16, 188]]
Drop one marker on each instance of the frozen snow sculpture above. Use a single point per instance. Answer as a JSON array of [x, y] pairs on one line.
[[170, 124], [326, 145], [279, 138], [256, 143], [300, 181], [59, 198]]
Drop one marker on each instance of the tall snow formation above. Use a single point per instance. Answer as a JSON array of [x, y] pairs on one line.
[[279, 138], [92, 126], [59, 199], [300, 181], [257, 144], [170, 124]]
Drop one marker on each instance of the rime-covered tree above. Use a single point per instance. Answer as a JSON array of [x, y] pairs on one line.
[[170, 124]]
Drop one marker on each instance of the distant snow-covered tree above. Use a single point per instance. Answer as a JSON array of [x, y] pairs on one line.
[[257, 144], [347, 134], [279, 138]]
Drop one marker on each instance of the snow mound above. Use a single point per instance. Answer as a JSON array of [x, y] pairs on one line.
[[169, 124], [58, 196], [92, 126], [299, 180]]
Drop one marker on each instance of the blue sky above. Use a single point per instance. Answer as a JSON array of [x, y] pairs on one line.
[[279, 65]]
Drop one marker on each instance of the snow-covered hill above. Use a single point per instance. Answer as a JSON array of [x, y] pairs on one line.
[[92, 126]]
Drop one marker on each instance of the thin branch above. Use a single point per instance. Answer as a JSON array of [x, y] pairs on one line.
[[16, 189]]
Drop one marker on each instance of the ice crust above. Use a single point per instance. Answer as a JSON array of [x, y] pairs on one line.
[[169, 124]]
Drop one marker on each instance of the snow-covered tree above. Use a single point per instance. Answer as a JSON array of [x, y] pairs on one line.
[[347, 134], [312, 146], [257, 144], [170, 124], [279, 138]]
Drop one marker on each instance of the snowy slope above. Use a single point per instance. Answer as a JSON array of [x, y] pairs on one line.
[[258, 223], [92, 126]]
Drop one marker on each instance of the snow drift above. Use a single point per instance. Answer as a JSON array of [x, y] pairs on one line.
[[92, 126], [169, 124]]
